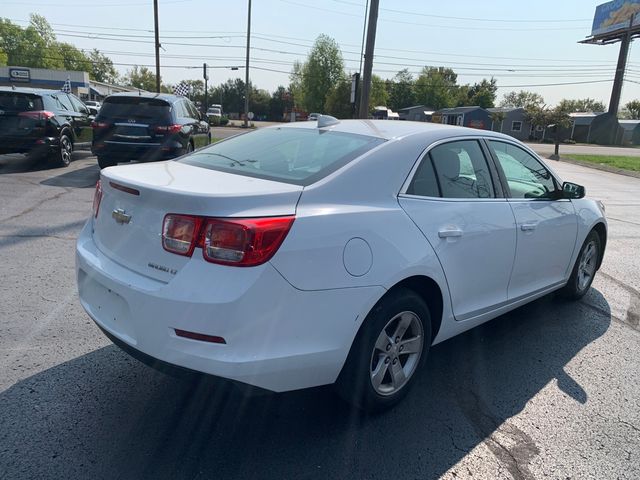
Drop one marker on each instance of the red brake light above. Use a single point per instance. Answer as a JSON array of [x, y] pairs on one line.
[[37, 114], [169, 128], [180, 233], [96, 125], [97, 198], [244, 242]]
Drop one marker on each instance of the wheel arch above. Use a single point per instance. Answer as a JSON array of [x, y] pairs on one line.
[[429, 290], [601, 230], [68, 131]]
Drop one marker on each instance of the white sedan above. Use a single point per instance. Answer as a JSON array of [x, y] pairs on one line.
[[336, 252]]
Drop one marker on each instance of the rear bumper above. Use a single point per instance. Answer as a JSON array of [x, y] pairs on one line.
[[137, 151], [21, 144], [277, 338]]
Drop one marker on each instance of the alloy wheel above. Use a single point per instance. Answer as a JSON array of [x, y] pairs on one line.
[[587, 265], [396, 353]]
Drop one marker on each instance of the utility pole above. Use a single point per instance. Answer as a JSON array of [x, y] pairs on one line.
[[246, 81], [155, 23], [363, 111], [205, 74]]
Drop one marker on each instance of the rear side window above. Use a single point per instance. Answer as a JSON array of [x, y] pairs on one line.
[[462, 170], [135, 108], [19, 102], [424, 182], [293, 155]]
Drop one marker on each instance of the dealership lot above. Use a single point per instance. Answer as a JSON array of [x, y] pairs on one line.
[[550, 390]]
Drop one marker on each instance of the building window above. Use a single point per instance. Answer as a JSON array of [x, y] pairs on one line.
[[516, 126], [459, 120]]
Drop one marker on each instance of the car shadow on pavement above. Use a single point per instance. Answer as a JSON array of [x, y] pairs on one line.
[[104, 415], [85, 177], [20, 163]]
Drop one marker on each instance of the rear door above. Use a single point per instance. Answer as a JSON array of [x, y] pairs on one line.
[[200, 129], [462, 213], [546, 225], [82, 122]]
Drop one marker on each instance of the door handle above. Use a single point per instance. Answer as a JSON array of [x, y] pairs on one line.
[[450, 232], [528, 227]]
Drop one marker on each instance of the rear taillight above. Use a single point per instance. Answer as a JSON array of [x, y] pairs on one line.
[[98, 125], [168, 128], [243, 242], [37, 114], [97, 198], [180, 233]]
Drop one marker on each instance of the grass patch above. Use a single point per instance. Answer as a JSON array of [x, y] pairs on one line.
[[625, 163]]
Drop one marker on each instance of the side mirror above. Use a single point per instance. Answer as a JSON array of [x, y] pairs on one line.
[[572, 190]]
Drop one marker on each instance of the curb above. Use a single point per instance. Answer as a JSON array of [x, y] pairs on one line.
[[597, 166]]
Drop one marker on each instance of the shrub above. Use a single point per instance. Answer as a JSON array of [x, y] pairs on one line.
[[223, 120]]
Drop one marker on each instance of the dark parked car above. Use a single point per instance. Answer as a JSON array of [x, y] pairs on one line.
[[45, 124], [146, 127]]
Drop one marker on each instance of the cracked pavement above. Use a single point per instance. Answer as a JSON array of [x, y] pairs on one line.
[[551, 390]]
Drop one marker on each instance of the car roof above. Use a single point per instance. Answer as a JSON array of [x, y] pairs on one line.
[[394, 129], [33, 91]]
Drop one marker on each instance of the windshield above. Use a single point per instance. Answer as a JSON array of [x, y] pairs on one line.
[[291, 155]]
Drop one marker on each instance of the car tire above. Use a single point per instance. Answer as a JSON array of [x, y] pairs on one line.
[[104, 162], [62, 157], [380, 368], [585, 267]]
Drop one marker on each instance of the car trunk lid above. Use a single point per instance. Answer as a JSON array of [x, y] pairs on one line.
[[137, 197]]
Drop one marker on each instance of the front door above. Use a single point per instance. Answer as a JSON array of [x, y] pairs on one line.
[[452, 199], [546, 225]]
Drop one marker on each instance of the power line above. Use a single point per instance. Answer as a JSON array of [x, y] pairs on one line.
[[448, 27], [468, 18]]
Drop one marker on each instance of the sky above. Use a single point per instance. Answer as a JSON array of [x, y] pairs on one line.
[[524, 45]]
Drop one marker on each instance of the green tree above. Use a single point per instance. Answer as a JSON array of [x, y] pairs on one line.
[[378, 95], [337, 102], [581, 105], [102, 69], [260, 100], [634, 109], [295, 84], [483, 94], [320, 73], [437, 87], [401, 90], [142, 78], [280, 102], [522, 99]]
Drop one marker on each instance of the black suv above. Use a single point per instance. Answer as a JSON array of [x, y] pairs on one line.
[[45, 124], [146, 127]]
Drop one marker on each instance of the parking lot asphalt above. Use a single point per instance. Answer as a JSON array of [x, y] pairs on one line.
[[551, 390]]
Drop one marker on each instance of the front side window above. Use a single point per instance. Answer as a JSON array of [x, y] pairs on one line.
[[462, 170], [293, 155], [526, 176]]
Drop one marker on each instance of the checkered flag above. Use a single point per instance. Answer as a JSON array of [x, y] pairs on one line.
[[66, 87], [181, 89]]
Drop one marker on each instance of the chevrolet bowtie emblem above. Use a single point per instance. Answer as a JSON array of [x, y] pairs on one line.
[[120, 216]]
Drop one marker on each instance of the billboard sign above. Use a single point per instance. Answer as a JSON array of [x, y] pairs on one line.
[[615, 15]]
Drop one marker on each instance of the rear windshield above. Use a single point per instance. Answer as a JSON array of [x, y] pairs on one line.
[[138, 108], [19, 102], [292, 155]]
